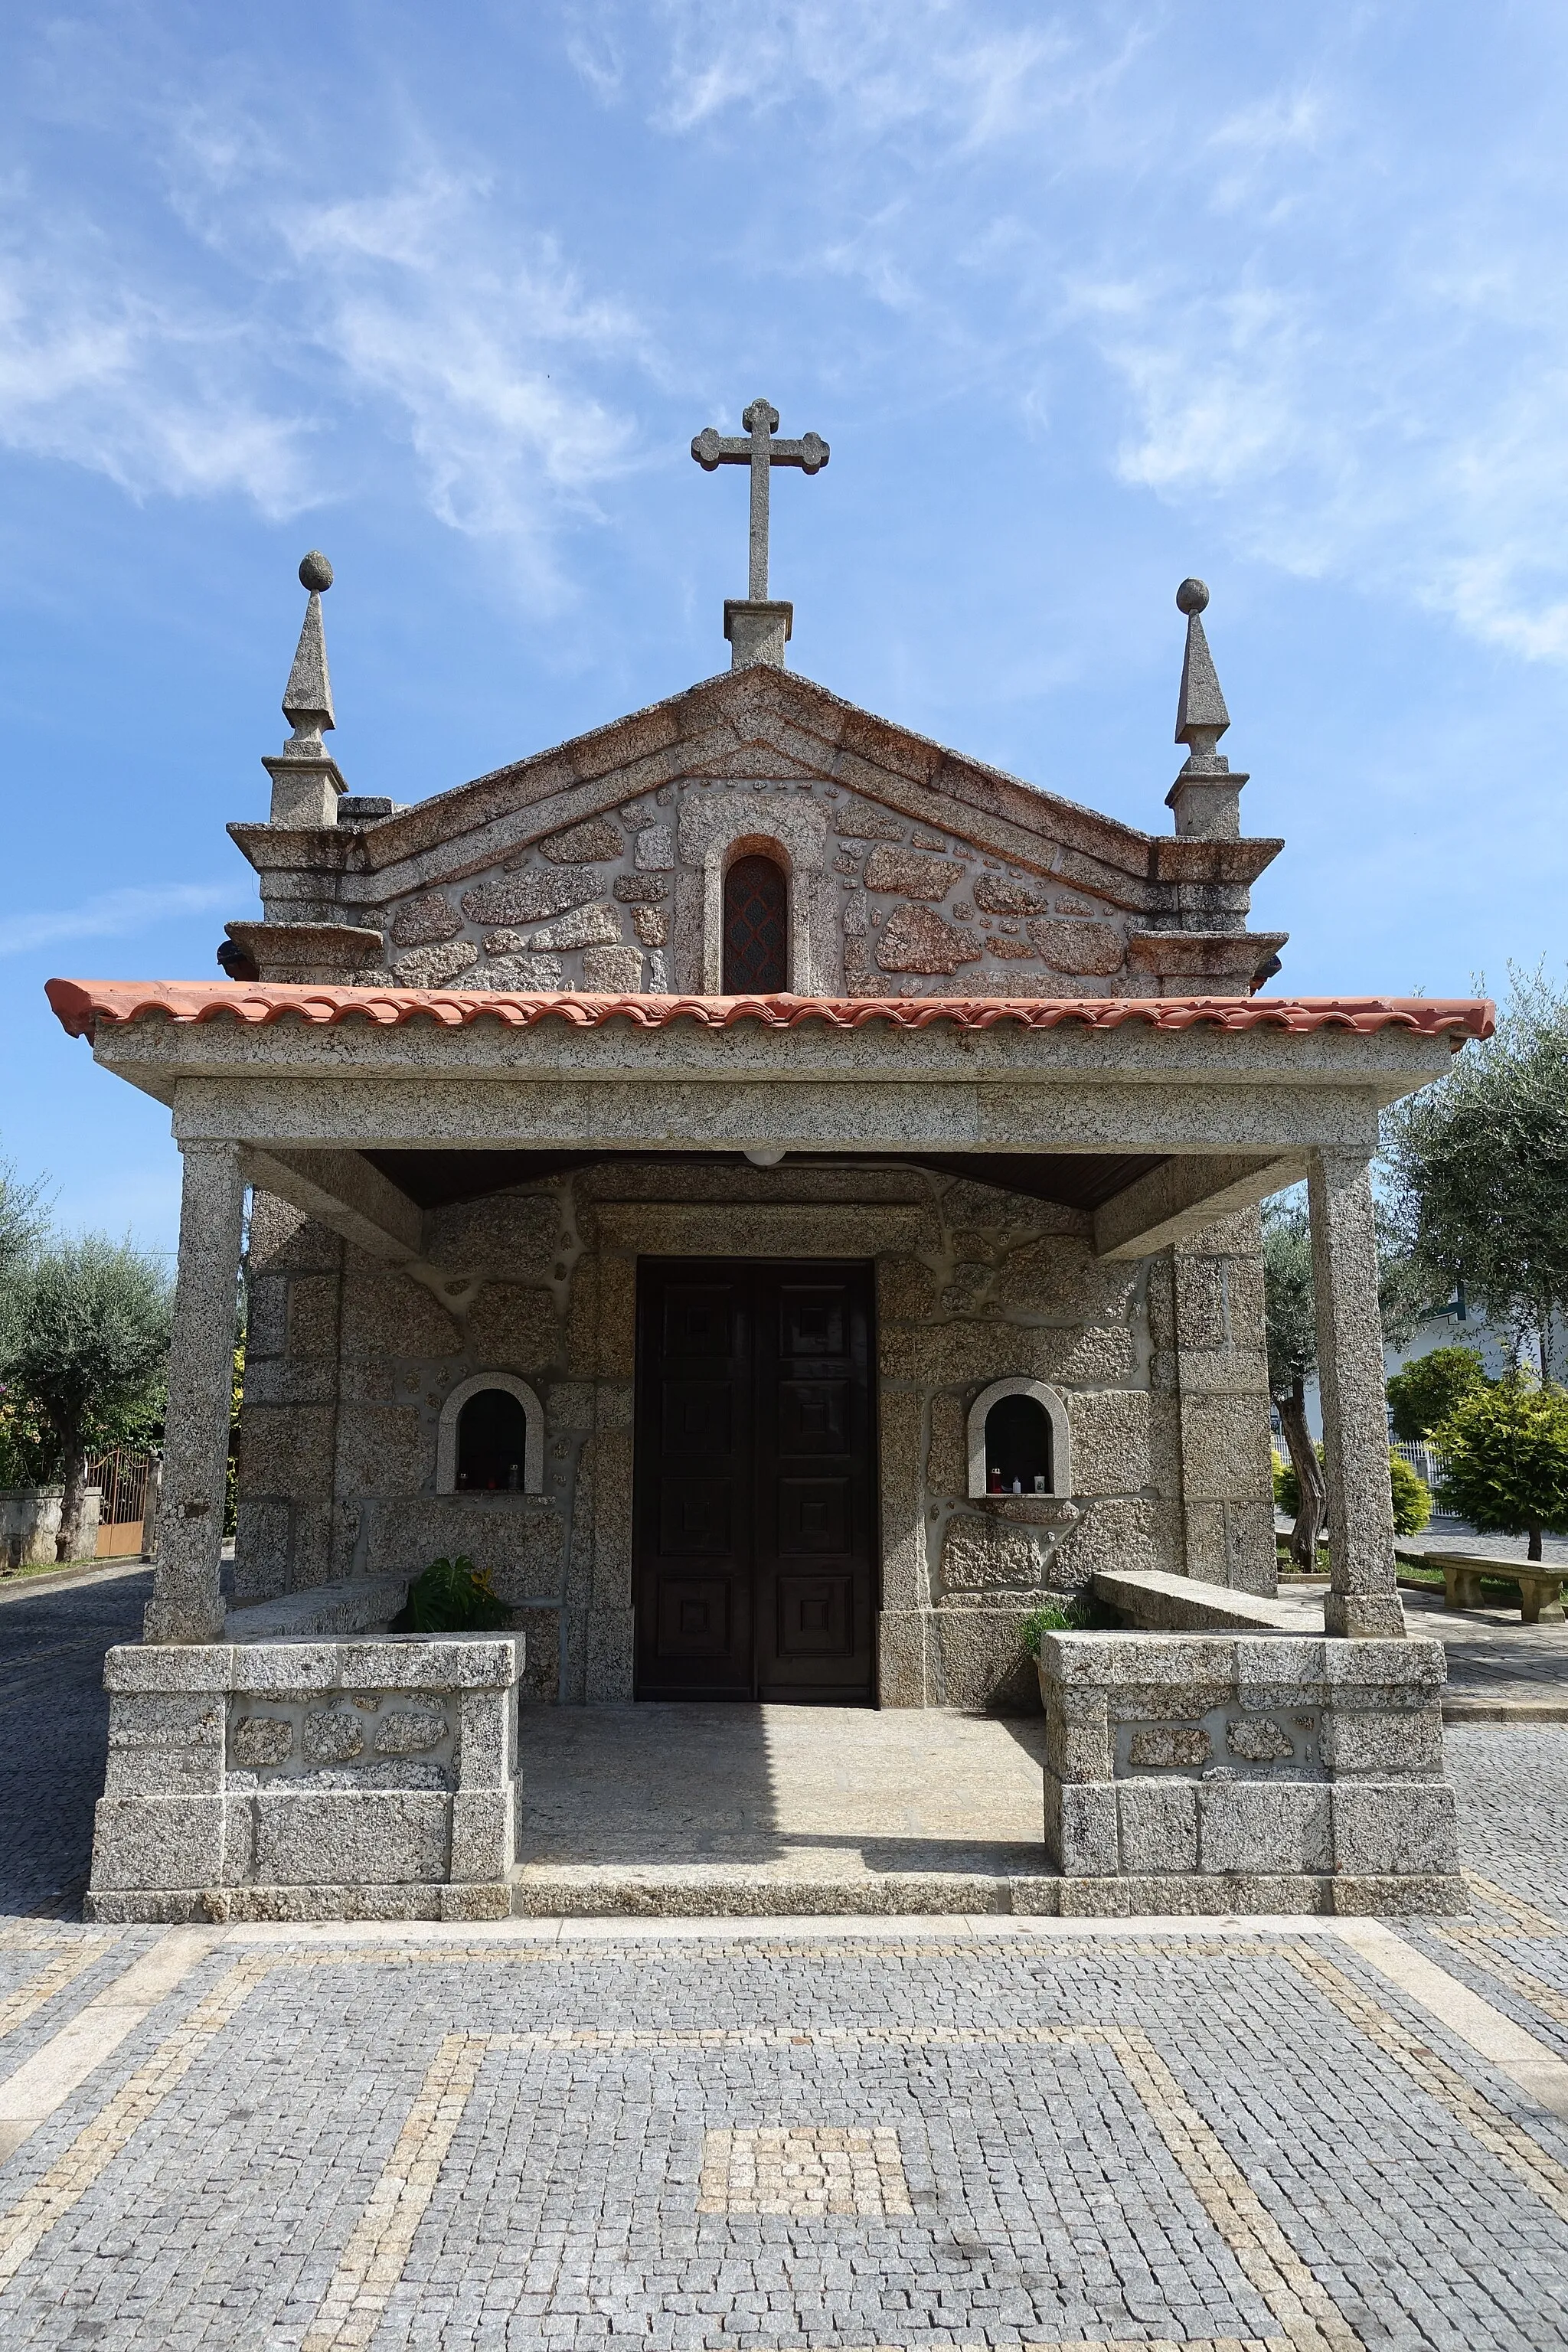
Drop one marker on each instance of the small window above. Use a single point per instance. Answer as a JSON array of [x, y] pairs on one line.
[[492, 1440], [756, 928], [1019, 1447]]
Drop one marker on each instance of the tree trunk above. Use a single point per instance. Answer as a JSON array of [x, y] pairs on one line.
[[68, 1543], [1534, 1551], [1313, 1497]]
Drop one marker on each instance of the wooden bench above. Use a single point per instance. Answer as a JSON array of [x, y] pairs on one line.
[[1540, 1589]]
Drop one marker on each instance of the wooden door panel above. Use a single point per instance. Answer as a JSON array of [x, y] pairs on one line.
[[693, 1618], [813, 1416], [696, 1516], [815, 1515], [753, 1481], [816, 1617]]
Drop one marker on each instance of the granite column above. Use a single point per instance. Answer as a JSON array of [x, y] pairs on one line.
[[186, 1604], [1363, 1600]]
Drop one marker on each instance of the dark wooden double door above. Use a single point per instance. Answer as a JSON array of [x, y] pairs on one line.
[[753, 1519]]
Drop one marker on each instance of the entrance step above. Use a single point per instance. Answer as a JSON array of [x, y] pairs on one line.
[[695, 1891]]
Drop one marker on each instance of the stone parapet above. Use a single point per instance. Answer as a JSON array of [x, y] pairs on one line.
[[309, 1780], [1251, 1759]]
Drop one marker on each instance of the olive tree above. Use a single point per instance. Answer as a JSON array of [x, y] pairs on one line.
[[1479, 1165], [86, 1353]]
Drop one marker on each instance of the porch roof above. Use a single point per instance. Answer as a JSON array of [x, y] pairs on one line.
[[80, 1006]]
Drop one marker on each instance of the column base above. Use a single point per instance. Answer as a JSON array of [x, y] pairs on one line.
[[171, 1620], [1365, 1616]]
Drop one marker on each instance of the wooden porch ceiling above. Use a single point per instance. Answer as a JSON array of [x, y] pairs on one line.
[[1074, 1180]]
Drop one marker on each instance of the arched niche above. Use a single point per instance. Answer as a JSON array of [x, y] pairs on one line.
[[719, 826], [1012, 1427], [450, 1431], [755, 947]]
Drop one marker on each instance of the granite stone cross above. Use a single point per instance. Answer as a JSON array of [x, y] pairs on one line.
[[759, 450]]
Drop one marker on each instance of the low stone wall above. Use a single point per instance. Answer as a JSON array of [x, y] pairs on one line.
[[30, 1525], [1248, 1773], [290, 1779]]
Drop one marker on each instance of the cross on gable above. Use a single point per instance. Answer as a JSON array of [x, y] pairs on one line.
[[761, 453]]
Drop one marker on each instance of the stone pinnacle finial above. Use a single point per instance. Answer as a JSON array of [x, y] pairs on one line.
[[1205, 795], [1201, 715], [306, 780], [308, 697]]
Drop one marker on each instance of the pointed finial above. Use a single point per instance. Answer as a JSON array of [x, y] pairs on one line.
[[305, 781], [1201, 715], [308, 697], [1204, 795]]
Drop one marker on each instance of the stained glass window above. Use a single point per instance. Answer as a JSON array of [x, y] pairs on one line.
[[756, 929]]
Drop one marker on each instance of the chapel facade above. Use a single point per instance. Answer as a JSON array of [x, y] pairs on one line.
[[778, 1195]]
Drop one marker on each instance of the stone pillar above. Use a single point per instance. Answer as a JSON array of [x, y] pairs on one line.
[[1363, 1599], [187, 1605]]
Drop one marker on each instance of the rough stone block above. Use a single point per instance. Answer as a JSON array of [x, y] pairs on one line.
[[238, 1840], [901, 1657], [1159, 1825], [1373, 1744], [487, 1739], [1200, 1301], [483, 1844], [1080, 1828], [158, 1841], [1077, 1732], [382, 1449], [1224, 1448], [355, 1837], [979, 1554], [608, 1662], [167, 1666], [1414, 1669], [1419, 1895], [1245, 1825], [312, 1316], [259, 1741], [515, 1327], [1117, 1531], [1110, 1442], [981, 1661], [1390, 1829], [164, 1744]]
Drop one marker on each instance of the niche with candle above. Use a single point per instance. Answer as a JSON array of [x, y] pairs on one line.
[[1019, 1439]]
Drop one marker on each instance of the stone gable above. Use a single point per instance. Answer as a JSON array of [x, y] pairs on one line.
[[912, 871]]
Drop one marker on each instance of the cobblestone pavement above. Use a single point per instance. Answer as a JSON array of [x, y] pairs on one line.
[[1002, 2133]]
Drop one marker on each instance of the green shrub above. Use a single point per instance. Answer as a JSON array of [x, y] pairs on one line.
[[1426, 1392], [1506, 1460], [1412, 1502], [451, 1597], [1054, 1617]]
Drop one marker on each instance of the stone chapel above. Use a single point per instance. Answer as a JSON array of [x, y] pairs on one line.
[[780, 1195]]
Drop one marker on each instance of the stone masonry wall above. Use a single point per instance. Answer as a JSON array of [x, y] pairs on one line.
[[348, 1364], [886, 907]]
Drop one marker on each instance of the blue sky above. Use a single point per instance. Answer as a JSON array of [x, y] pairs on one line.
[[1084, 299]]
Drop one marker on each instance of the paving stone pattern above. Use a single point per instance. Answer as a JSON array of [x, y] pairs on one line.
[[1100, 2139], [54, 1732]]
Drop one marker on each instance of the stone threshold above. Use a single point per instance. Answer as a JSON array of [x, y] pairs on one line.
[[697, 1891], [1505, 1710]]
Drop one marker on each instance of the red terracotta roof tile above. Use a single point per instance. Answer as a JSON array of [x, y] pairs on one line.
[[80, 1004]]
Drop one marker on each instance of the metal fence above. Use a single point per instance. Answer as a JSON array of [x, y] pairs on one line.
[[1424, 1460], [128, 1482]]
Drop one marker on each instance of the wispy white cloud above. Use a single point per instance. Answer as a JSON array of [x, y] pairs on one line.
[[113, 914], [241, 351]]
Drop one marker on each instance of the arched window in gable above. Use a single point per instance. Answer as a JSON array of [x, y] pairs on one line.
[[756, 928]]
